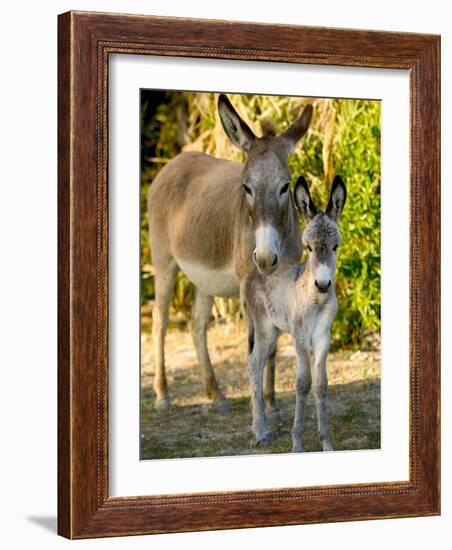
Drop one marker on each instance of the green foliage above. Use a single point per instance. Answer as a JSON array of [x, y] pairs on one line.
[[343, 138]]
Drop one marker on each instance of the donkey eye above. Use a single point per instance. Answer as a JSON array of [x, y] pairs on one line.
[[284, 189], [309, 248], [335, 248], [247, 189]]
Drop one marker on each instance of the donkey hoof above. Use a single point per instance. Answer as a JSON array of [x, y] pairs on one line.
[[221, 405], [264, 440], [162, 404], [297, 448], [327, 446]]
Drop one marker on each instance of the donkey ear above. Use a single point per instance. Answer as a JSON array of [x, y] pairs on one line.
[[236, 129], [303, 200], [298, 129], [337, 200]]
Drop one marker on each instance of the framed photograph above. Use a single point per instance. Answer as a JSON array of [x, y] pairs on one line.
[[248, 275]]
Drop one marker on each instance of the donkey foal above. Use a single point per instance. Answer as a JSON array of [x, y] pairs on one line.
[[298, 299]]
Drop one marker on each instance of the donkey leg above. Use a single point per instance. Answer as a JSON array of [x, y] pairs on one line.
[[320, 388], [302, 386], [202, 308], [165, 280], [263, 344], [271, 407]]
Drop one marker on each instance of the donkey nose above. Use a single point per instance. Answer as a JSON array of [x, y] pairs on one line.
[[266, 263], [323, 285]]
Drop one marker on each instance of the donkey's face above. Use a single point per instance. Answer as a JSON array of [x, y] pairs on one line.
[[265, 180], [321, 235]]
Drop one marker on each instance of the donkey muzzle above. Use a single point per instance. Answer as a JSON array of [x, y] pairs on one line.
[[266, 253], [266, 263], [322, 285]]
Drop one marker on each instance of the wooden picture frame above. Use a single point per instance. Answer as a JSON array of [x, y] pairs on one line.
[[85, 42]]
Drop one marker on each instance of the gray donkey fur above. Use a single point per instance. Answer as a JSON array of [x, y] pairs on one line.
[[298, 299]]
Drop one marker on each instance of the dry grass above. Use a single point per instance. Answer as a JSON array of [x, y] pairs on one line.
[[192, 428]]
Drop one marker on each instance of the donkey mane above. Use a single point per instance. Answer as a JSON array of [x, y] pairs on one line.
[[268, 128]]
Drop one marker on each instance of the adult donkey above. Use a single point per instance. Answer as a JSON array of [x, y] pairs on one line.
[[215, 219]]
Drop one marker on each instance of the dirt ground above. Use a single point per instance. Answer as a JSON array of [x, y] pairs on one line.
[[192, 428]]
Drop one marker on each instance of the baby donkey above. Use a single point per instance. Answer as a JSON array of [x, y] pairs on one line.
[[298, 299]]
